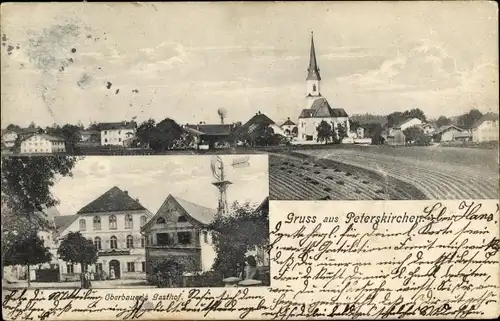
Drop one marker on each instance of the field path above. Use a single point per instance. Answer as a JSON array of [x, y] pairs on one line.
[[439, 174]]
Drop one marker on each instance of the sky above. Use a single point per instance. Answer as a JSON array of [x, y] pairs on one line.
[[152, 178], [82, 62]]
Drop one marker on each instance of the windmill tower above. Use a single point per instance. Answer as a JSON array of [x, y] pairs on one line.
[[221, 183], [222, 112]]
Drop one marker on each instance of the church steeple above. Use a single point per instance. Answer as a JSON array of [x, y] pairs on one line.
[[313, 70], [313, 80]]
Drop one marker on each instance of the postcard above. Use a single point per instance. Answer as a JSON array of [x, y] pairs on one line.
[[250, 160]]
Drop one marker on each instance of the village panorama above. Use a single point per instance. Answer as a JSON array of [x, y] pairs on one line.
[[322, 153]]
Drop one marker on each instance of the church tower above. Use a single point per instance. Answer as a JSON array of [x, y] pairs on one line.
[[313, 79]]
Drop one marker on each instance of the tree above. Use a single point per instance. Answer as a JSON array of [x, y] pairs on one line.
[[341, 132], [12, 127], [235, 234], [166, 133], [413, 133], [70, 133], [415, 113], [168, 271], [77, 249], [443, 121], [376, 135], [395, 118], [26, 184], [25, 250], [324, 132], [146, 132], [32, 125], [354, 125], [468, 120]]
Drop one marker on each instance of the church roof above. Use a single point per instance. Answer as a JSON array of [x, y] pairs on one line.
[[321, 109], [114, 200], [313, 70]]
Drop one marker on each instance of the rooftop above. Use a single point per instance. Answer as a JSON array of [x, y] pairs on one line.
[[114, 200], [321, 108], [118, 125]]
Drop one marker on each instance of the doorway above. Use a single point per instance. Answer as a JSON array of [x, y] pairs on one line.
[[114, 265]]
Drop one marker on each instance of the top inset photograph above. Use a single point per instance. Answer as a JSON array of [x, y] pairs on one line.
[[396, 97]]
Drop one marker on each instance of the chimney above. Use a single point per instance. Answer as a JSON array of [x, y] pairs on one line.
[[137, 200], [126, 192]]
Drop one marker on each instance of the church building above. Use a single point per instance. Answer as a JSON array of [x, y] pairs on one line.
[[318, 108]]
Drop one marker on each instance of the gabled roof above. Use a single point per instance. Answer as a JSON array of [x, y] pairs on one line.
[[321, 109], [404, 122], [64, 221], [114, 200], [118, 125], [210, 129], [445, 128], [487, 117], [198, 213], [202, 214], [45, 136], [259, 119], [288, 122]]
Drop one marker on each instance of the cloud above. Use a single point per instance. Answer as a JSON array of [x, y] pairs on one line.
[[424, 67]]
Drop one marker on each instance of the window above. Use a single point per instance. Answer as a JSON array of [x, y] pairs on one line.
[[112, 222], [129, 221], [160, 220], [70, 268], [113, 242], [184, 237], [314, 88], [130, 267], [119, 139], [182, 218], [143, 266], [130, 242], [143, 241], [119, 132], [205, 236], [105, 140], [83, 225], [97, 223], [105, 132], [97, 243], [144, 220], [163, 239]]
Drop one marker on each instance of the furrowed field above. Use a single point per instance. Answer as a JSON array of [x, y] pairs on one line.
[[383, 172]]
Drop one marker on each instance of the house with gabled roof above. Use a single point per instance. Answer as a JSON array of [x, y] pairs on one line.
[[318, 109], [118, 133], [486, 128], [447, 133], [213, 135], [113, 222], [178, 230], [289, 127], [41, 143]]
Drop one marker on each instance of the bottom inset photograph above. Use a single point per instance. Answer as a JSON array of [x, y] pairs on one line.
[[135, 222]]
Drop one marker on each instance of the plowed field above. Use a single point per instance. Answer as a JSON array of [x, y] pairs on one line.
[[367, 173]]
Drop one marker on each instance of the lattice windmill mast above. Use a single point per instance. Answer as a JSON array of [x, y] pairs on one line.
[[221, 183]]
